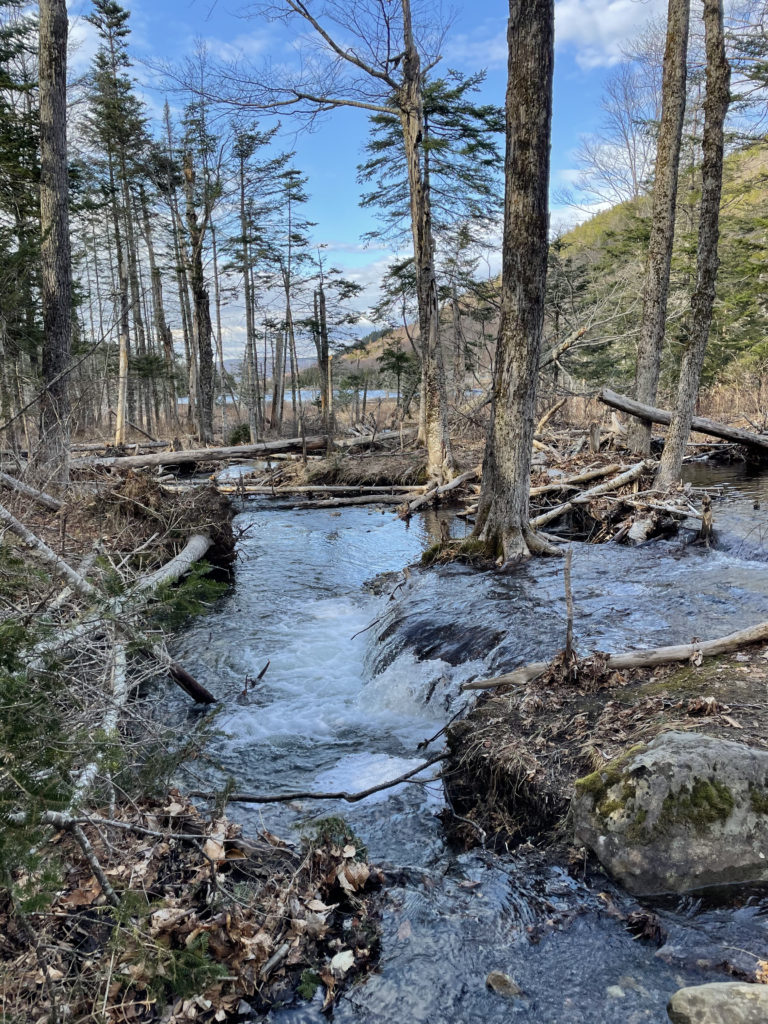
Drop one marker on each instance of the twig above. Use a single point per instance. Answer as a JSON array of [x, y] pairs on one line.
[[283, 798]]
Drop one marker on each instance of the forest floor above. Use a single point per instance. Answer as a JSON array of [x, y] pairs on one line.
[[206, 920]]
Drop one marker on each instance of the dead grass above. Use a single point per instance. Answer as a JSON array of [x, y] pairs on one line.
[[515, 758]]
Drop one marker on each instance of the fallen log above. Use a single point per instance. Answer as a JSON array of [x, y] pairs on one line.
[[594, 492], [40, 497], [362, 499], [240, 451], [348, 489], [195, 549], [699, 424], [638, 659]]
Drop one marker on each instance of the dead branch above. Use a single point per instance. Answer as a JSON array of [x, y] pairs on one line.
[[350, 798], [46, 500], [579, 499], [638, 659]]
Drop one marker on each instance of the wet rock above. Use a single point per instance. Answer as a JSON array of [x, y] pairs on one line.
[[687, 811], [720, 1003], [503, 985]]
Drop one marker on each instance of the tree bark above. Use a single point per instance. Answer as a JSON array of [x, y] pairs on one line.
[[703, 299], [440, 463], [503, 520], [162, 330], [656, 288], [201, 308], [55, 262]]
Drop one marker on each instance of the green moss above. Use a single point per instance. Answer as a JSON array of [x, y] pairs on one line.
[[308, 984], [758, 799], [637, 832], [685, 679], [598, 783], [432, 553], [607, 807], [706, 803]]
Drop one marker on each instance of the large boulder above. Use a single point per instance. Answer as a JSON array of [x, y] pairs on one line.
[[685, 812], [726, 1002]]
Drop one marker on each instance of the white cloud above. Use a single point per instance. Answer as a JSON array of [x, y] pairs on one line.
[[597, 30], [593, 29]]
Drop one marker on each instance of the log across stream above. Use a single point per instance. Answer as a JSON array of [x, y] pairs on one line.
[[343, 707]]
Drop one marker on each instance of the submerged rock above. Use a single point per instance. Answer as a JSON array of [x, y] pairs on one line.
[[685, 812], [727, 1002], [503, 985]]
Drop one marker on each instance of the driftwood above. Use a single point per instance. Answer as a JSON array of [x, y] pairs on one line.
[[40, 497], [548, 416], [699, 424], [638, 659], [115, 608], [594, 492], [310, 489]]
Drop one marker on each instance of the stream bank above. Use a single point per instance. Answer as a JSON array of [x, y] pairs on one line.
[[365, 667]]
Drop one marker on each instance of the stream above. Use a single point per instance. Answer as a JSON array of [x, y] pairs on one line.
[[356, 681]]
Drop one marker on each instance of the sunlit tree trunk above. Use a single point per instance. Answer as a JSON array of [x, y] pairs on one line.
[[707, 260], [503, 521], [440, 463], [55, 277], [656, 287]]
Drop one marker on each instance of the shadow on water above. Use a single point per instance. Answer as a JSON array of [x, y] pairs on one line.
[[356, 681]]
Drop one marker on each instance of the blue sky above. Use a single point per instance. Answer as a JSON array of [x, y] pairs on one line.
[[589, 38]]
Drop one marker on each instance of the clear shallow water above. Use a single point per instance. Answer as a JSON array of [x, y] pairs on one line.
[[337, 710]]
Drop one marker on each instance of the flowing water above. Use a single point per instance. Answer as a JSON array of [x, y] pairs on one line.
[[357, 680]]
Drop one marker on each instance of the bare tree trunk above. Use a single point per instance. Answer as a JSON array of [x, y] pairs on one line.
[[503, 519], [201, 315], [703, 298], [56, 270], [440, 464], [252, 370], [122, 379], [219, 340], [278, 383], [656, 288], [162, 330]]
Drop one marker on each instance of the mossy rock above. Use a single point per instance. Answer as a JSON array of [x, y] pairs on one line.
[[686, 812]]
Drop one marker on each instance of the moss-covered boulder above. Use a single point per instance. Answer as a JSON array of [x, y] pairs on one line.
[[686, 812]]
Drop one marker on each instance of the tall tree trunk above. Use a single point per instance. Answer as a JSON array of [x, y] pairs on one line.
[[219, 339], [503, 520], [707, 260], [122, 378], [656, 287], [440, 464], [162, 330], [56, 270], [251, 369], [201, 309]]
